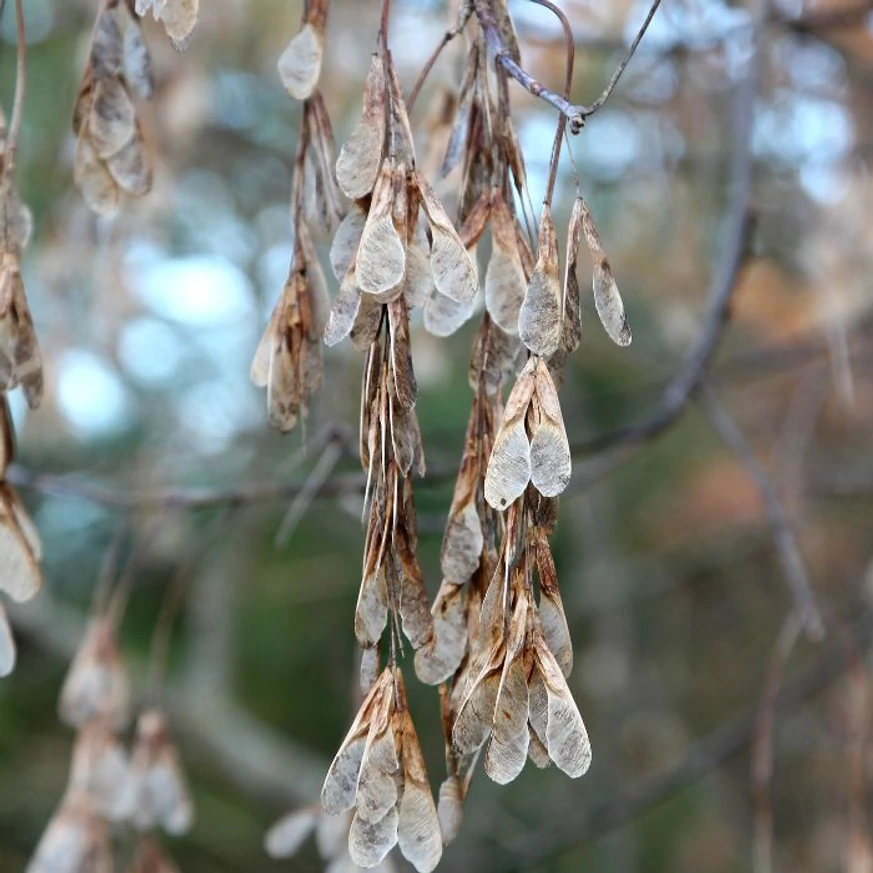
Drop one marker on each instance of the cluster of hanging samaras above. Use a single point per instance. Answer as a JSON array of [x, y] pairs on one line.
[[496, 637], [20, 366], [115, 801], [112, 158]]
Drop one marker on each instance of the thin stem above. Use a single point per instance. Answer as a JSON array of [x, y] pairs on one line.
[[383, 26], [448, 36], [624, 62], [568, 84], [18, 100]]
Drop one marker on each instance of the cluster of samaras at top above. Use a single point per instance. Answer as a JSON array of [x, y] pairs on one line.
[[496, 637]]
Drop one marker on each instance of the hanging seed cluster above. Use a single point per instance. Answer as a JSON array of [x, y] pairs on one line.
[[20, 366], [111, 156], [496, 637], [113, 798]]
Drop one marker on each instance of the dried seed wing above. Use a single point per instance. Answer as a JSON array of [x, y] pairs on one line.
[[367, 322], [553, 621], [179, 18], [377, 783], [345, 243], [340, 784], [509, 467], [400, 133], [572, 305], [137, 61], [361, 154], [7, 644], [370, 842], [537, 752], [443, 316], [462, 543], [64, 845], [405, 386], [418, 283], [107, 45], [20, 576], [283, 385], [371, 612], [566, 737], [505, 281], [507, 750], [289, 833], [538, 703], [419, 835], [454, 273], [99, 771], [300, 63], [112, 121], [450, 808], [344, 311], [99, 190], [460, 134], [260, 370], [369, 667], [415, 615], [437, 661], [539, 319], [381, 260], [550, 460], [96, 684], [130, 168], [607, 299], [473, 723], [475, 223]]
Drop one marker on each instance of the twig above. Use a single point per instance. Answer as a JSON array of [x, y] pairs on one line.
[[762, 750], [701, 758], [575, 115], [18, 101], [793, 567]]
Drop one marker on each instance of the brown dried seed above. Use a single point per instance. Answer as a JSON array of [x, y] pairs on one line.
[[550, 460], [441, 657], [129, 167], [418, 833], [370, 842], [300, 63], [443, 316], [371, 612], [344, 311], [99, 771], [454, 272], [112, 121], [473, 723], [450, 808], [338, 793], [539, 320], [418, 283], [93, 179], [288, 834], [345, 243], [137, 60], [607, 298], [96, 683], [377, 793], [537, 752], [572, 305], [367, 323], [505, 282], [381, 259], [361, 155], [403, 375], [159, 792]]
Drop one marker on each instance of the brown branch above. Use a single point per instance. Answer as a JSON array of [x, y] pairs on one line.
[[18, 100], [793, 567], [702, 757]]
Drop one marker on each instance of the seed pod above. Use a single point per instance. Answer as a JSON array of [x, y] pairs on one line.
[[505, 282], [99, 190], [443, 316], [99, 771], [159, 793], [179, 18], [441, 657], [454, 273], [20, 548], [381, 260], [130, 168], [344, 247], [509, 468], [450, 808], [20, 358], [111, 122], [361, 155], [553, 621], [572, 306], [539, 320], [96, 684], [550, 461], [607, 298], [137, 62], [75, 840], [300, 63], [344, 311]]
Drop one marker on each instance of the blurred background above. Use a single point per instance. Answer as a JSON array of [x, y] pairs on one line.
[[674, 584]]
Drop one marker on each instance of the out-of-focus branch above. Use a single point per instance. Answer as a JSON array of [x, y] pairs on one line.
[[792, 563], [259, 761], [701, 758]]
